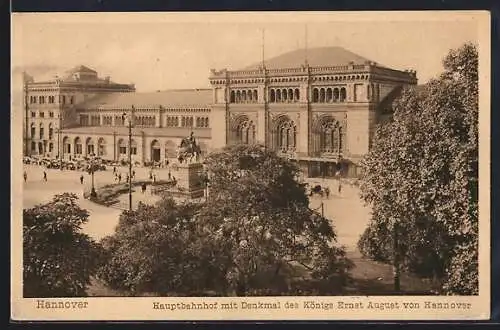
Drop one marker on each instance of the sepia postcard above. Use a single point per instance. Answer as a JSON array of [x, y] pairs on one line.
[[250, 166]]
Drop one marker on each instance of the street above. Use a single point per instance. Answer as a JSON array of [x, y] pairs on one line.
[[348, 214]]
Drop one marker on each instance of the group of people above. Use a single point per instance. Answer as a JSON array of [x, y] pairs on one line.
[[118, 176]]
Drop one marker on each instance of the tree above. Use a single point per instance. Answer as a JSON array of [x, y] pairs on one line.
[[255, 235], [263, 225], [159, 249], [58, 259], [421, 176]]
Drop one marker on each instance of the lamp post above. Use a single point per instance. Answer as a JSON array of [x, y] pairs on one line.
[[93, 193], [61, 148], [130, 119]]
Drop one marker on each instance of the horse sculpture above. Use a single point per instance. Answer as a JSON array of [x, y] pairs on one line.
[[188, 149]]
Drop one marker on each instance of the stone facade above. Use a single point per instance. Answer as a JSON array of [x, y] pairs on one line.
[[320, 110], [319, 114]]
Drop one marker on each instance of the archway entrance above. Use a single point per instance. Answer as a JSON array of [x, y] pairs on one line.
[[155, 151]]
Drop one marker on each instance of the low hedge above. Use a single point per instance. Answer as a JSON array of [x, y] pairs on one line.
[[107, 195]]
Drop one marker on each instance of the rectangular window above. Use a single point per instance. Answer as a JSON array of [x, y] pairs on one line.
[[33, 114], [51, 133], [123, 150], [71, 99], [51, 147], [33, 146], [78, 149], [64, 99], [33, 133], [41, 133], [51, 114], [42, 115], [133, 150]]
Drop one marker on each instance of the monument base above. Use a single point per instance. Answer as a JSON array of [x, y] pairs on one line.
[[189, 184]]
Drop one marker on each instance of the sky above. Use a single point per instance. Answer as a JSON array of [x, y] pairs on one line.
[[158, 51]]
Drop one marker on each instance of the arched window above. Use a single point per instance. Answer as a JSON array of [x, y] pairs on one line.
[[78, 146], [255, 95], [286, 135], [183, 121], [272, 96], [290, 95], [206, 122], [278, 95], [245, 132], [284, 95], [244, 96], [66, 145], [249, 95], [33, 130], [238, 97], [90, 146], [296, 95], [343, 94], [336, 95], [41, 131], [322, 95], [176, 121], [332, 136], [233, 97], [198, 122], [101, 147], [329, 95], [155, 151], [368, 94], [51, 132], [315, 95]]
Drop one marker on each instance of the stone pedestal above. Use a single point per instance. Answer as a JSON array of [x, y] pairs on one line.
[[188, 180]]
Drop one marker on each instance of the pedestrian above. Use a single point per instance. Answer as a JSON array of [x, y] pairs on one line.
[[119, 178], [114, 169], [150, 175], [169, 176], [25, 175], [154, 178], [133, 174], [127, 178], [81, 179], [327, 192], [45, 176], [143, 187], [340, 188]]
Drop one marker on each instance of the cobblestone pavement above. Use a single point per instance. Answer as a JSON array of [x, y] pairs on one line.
[[348, 214]]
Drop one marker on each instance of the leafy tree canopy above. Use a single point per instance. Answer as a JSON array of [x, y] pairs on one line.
[[421, 174], [58, 259], [254, 236]]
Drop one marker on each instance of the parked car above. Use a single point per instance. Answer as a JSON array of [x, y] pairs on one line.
[[54, 163], [69, 165]]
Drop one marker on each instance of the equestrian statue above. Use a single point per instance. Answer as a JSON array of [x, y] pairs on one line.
[[188, 149]]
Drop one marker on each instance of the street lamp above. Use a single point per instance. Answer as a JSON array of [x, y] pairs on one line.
[[60, 148], [93, 193], [129, 117]]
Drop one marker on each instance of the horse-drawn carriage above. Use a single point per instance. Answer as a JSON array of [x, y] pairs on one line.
[[317, 189]]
